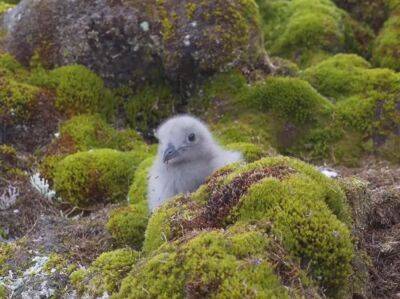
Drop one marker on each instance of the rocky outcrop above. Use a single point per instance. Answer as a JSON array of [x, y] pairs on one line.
[[136, 41]]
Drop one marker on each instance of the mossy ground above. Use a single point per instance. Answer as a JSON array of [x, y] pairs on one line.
[[272, 228], [105, 274]]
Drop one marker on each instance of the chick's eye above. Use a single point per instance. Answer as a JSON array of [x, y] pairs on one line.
[[192, 137]]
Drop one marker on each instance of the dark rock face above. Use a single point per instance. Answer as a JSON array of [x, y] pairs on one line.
[[129, 40], [115, 39]]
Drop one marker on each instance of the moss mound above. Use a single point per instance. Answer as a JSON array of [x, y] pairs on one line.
[[365, 110], [17, 101], [209, 264], [99, 175], [105, 274], [307, 31], [308, 211], [86, 132], [92, 131], [128, 224], [386, 50], [251, 152], [290, 99], [78, 90]]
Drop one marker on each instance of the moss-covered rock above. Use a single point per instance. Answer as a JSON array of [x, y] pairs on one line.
[[308, 211], [289, 99], [86, 132], [156, 39], [27, 113], [347, 75], [207, 37], [99, 175], [308, 31], [105, 274], [92, 131], [79, 90], [209, 264], [366, 110], [17, 100], [128, 224], [138, 190], [386, 50]]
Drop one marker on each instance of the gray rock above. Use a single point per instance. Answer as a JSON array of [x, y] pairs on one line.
[[134, 41]]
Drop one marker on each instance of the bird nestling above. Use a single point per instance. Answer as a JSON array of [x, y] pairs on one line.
[[187, 155]]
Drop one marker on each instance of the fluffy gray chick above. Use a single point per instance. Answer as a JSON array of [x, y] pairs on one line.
[[187, 155]]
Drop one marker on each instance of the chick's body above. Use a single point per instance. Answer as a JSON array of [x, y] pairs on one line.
[[187, 155]]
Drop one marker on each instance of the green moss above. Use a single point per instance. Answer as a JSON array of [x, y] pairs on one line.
[[16, 100], [105, 274], [387, 45], [138, 190], [9, 66], [92, 131], [78, 90], [3, 234], [347, 74], [55, 261], [148, 106], [211, 264], [3, 292], [289, 98], [308, 31], [6, 251], [301, 209], [4, 7], [222, 102], [160, 228], [85, 132], [128, 224], [251, 152], [99, 175], [308, 211], [365, 108], [223, 87]]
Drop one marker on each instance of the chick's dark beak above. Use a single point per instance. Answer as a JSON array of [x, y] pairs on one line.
[[170, 153]]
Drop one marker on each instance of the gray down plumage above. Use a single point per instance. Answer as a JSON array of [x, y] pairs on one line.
[[187, 155]]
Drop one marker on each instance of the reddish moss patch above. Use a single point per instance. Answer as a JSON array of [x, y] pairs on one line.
[[224, 198]]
